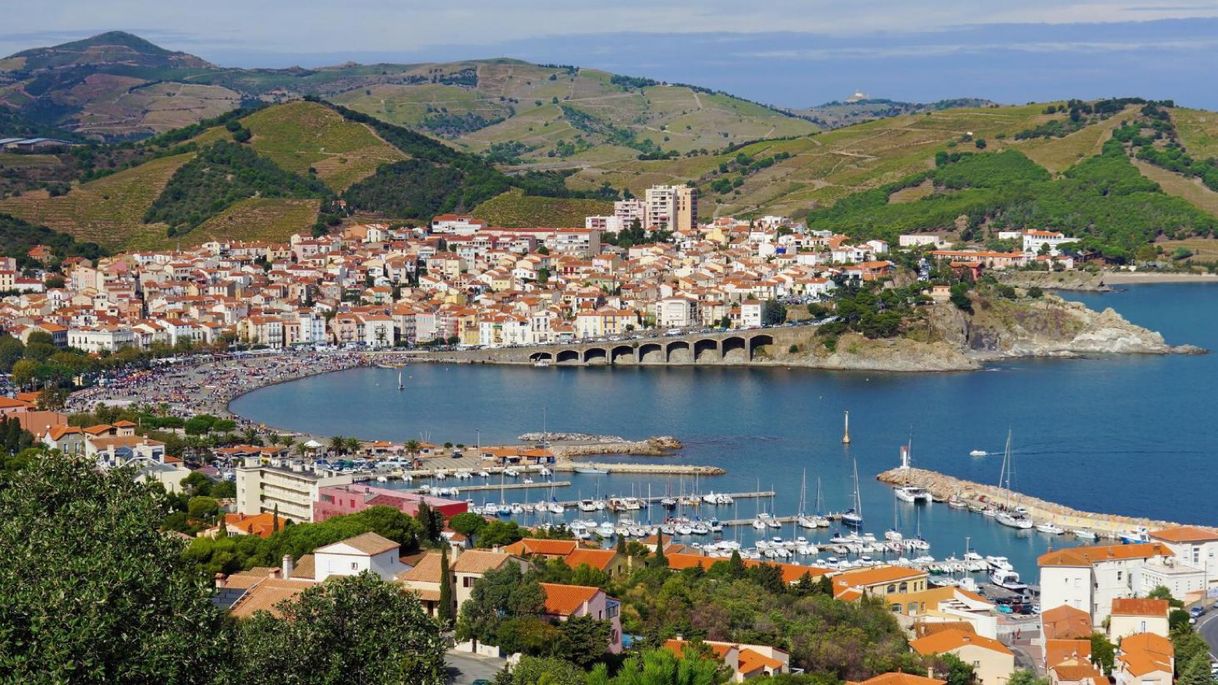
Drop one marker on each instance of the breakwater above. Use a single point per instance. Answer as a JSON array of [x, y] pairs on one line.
[[979, 495]]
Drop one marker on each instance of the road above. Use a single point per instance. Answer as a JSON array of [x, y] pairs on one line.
[[1207, 627], [464, 668]]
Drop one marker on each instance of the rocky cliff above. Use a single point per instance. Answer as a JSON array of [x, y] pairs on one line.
[[944, 338]]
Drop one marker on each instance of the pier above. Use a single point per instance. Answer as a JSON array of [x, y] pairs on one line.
[[544, 484], [978, 495], [652, 469]]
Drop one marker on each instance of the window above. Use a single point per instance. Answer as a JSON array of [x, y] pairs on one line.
[[354, 566], [467, 582], [1120, 575], [892, 588]]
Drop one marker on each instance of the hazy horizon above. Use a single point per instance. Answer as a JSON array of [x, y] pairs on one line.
[[788, 53]]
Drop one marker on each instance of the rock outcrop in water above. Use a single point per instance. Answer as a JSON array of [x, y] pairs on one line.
[[945, 338]]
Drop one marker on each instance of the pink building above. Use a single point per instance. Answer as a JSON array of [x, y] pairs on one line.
[[565, 601], [340, 500]]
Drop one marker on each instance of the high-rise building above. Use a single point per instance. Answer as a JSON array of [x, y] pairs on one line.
[[671, 208], [629, 211], [685, 209]]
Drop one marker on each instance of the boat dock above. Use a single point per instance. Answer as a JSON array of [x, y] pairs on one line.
[[655, 499], [541, 484], [653, 469], [979, 496]]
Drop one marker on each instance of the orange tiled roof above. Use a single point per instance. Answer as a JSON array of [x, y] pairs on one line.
[[1088, 556], [564, 600], [1057, 651], [751, 661], [1140, 606], [948, 640], [1066, 622], [1185, 534], [900, 679]]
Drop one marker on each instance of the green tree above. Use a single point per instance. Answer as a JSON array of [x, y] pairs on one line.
[[661, 667], [94, 593], [349, 629], [447, 608], [1196, 671], [533, 670], [584, 640], [954, 670], [201, 508], [467, 523], [1023, 676], [500, 595], [773, 313], [11, 350], [1103, 652]]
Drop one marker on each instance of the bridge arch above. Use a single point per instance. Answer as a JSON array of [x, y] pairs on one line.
[[706, 350], [622, 354], [759, 344], [596, 355], [734, 350], [679, 352], [652, 353], [567, 357]]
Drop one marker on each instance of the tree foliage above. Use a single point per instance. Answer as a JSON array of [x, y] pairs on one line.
[[353, 629], [91, 591]]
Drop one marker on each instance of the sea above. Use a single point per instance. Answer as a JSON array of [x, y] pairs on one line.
[[1135, 435]]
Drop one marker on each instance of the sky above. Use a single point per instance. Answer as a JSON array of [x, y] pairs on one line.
[[786, 52]]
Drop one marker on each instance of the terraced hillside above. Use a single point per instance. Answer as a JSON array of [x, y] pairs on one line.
[[514, 209], [556, 112], [303, 136], [108, 211]]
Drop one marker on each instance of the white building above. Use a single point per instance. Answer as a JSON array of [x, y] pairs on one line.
[[101, 339], [1089, 578], [261, 488], [1197, 547], [1034, 240], [629, 211], [353, 556], [922, 239], [676, 312], [606, 224]]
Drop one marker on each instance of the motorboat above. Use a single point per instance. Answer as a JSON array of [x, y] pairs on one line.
[[1049, 528], [894, 536], [1135, 536], [999, 563], [587, 505], [1005, 578], [1084, 534], [591, 471], [956, 503], [978, 453], [668, 503], [758, 523], [808, 522]]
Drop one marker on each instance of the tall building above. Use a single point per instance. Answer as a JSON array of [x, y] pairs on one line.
[[628, 211], [670, 208], [685, 208]]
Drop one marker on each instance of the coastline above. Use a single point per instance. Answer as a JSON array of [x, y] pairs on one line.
[[1150, 277]]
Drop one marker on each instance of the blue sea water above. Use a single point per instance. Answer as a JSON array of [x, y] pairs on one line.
[[1130, 435]]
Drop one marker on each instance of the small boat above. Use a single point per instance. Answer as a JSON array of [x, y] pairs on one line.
[[978, 453], [587, 505], [542, 363], [668, 503], [1008, 579], [1049, 528], [382, 479], [1084, 534], [759, 524], [956, 503], [591, 471], [852, 519], [1135, 536]]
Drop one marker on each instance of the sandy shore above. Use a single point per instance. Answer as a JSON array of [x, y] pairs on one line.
[[1138, 277]]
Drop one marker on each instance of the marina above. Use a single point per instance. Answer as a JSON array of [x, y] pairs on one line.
[[1074, 443]]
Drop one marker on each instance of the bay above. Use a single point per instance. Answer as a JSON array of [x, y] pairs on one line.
[[1131, 435]]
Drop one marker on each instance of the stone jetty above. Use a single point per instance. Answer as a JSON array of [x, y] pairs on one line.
[[943, 487]]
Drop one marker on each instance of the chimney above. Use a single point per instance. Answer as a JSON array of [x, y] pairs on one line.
[[288, 567], [221, 581]]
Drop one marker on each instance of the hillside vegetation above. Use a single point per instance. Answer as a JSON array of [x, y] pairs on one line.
[[310, 138], [1104, 200], [514, 209], [218, 177]]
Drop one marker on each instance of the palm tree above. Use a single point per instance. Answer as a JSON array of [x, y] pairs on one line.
[[412, 447], [337, 444], [352, 444], [250, 435], [288, 442]]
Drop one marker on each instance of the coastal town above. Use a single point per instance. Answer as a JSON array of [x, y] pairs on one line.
[[459, 282], [673, 343], [237, 317]]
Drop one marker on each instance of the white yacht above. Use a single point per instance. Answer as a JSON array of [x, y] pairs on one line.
[[913, 494], [1049, 528], [1008, 579]]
